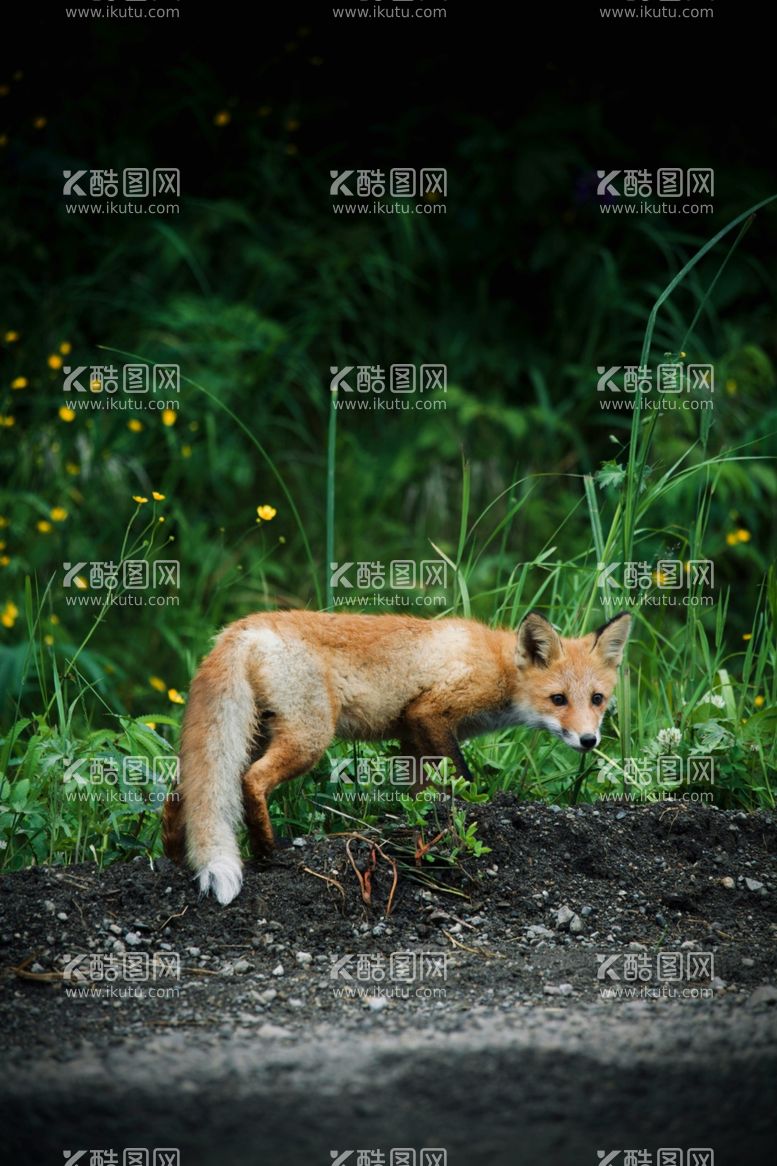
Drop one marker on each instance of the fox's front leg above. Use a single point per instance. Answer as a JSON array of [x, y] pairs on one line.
[[433, 743]]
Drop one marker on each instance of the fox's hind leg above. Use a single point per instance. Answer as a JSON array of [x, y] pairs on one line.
[[285, 758], [173, 830]]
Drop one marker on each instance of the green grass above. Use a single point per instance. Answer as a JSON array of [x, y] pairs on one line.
[[547, 488]]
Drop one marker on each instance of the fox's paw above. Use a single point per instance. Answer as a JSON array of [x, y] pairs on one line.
[[223, 877]]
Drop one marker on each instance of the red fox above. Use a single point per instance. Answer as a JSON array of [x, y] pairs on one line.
[[277, 687]]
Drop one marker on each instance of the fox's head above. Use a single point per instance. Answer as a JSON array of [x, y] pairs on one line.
[[566, 684]]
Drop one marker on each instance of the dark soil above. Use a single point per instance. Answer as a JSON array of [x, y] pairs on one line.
[[258, 1024]]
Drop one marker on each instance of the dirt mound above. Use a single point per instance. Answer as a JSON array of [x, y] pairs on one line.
[[560, 892]]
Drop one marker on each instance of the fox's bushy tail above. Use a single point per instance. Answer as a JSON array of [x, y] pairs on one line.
[[216, 738]]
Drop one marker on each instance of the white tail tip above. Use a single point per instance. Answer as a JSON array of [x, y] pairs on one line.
[[223, 877]]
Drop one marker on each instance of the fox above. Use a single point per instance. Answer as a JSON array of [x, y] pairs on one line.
[[277, 687]]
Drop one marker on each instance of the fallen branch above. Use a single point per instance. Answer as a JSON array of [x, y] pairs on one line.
[[326, 878]]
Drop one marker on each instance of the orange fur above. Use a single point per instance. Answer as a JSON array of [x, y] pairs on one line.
[[298, 679]]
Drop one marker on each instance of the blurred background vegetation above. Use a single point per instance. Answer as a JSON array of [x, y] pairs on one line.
[[256, 289]]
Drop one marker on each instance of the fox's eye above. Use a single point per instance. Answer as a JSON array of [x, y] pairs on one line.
[[597, 698], [558, 698]]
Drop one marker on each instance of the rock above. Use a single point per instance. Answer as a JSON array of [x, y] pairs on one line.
[[564, 917], [586, 911], [132, 938], [273, 1031], [576, 925], [376, 1003], [267, 996], [747, 962], [537, 931], [242, 966], [279, 970], [193, 951], [763, 994], [754, 885], [728, 883], [558, 989], [304, 957], [299, 842], [62, 915], [49, 906]]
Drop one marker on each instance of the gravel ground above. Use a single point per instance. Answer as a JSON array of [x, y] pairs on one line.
[[512, 1009]]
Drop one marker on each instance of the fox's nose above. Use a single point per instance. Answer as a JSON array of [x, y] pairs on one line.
[[588, 740]]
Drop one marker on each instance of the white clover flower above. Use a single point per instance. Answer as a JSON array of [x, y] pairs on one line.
[[668, 739], [713, 698]]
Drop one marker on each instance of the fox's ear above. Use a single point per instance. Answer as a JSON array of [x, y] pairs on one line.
[[610, 639], [538, 642]]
